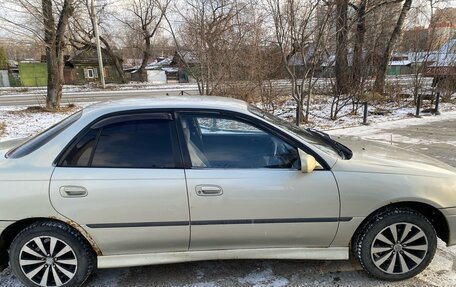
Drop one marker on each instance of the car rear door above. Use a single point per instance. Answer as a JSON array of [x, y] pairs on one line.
[[122, 179], [246, 189]]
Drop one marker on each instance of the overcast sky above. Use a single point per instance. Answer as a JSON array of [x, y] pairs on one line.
[[11, 32]]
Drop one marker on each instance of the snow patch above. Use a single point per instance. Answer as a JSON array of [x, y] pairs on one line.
[[108, 277], [400, 123], [7, 279], [264, 278], [19, 123], [202, 284]]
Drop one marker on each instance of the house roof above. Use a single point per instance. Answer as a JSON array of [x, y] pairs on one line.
[[159, 63], [189, 57], [88, 55], [400, 63], [331, 60], [446, 55], [299, 58], [131, 63]]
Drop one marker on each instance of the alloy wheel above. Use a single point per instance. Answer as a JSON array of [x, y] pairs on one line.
[[399, 248], [48, 261]]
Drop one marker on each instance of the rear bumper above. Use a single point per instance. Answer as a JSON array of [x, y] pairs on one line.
[[450, 215]]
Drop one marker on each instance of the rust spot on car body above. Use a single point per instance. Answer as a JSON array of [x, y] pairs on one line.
[[84, 233], [87, 236]]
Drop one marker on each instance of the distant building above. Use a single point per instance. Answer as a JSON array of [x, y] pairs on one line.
[[443, 61], [32, 74], [83, 68], [4, 78], [400, 67], [187, 63], [415, 39], [13, 73], [442, 27], [158, 71]]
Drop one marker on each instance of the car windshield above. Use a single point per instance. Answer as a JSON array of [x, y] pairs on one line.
[[42, 138], [313, 137]]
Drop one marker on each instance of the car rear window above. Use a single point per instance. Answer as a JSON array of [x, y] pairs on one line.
[[42, 138]]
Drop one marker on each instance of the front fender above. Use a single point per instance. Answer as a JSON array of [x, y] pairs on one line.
[[363, 192]]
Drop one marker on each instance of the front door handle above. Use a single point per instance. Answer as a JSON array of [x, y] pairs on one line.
[[208, 190], [73, 191]]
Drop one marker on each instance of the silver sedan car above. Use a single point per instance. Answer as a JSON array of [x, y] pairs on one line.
[[173, 179]]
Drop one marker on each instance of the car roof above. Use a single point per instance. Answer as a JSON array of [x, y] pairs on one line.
[[168, 102]]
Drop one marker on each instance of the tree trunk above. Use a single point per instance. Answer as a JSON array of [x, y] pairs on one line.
[[298, 90], [54, 38], [299, 112], [379, 85], [146, 56], [115, 59], [55, 82], [341, 68], [309, 96], [359, 44]]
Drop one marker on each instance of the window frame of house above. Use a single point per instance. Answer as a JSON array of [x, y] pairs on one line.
[[93, 71]]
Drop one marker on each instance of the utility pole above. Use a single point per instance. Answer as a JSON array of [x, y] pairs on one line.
[[97, 39]]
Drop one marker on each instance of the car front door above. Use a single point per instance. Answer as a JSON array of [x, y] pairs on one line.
[[246, 189], [123, 181]]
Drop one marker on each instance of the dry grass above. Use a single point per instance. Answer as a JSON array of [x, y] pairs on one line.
[[39, 109], [2, 128]]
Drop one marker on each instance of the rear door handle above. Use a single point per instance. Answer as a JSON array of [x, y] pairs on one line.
[[208, 190], [73, 191]]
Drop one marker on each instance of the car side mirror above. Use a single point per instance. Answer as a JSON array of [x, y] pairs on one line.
[[308, 162]]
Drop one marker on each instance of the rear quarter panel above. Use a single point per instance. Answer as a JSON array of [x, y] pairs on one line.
[[24, 190]]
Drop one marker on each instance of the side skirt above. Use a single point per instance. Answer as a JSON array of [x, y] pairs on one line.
[[130, 260]]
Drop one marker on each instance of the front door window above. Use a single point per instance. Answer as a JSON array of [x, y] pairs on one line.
[[221, 142]]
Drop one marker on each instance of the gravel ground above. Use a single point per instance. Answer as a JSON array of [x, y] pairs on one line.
[[434, 136]]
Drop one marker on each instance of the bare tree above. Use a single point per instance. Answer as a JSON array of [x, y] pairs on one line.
[[299, 35], [48, 21], [341, 67], [358, 46], [144, 17], [212, 37], [82, 33], [54, 38], [418, 43], [379, 84]]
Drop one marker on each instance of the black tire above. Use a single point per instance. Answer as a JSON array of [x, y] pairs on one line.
[[363, 243], [62, 234]]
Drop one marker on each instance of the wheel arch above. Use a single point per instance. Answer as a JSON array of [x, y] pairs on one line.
[[10, 232], [434, 215]]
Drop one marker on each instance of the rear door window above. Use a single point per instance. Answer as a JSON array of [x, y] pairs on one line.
[[142, 143]]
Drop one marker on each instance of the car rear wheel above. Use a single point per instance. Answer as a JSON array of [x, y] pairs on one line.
[[395, 244], [51, 254]]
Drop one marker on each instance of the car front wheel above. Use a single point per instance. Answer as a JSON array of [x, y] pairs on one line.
[[51, 254], [395, 244]]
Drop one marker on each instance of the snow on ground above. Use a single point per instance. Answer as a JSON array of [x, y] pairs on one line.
[[320, 113], [21, 123], [283, 83], [18, 122], [374, 131], [94, 88], [263, 278]]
